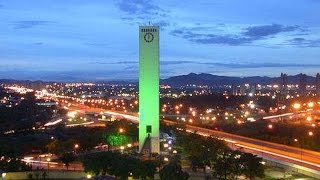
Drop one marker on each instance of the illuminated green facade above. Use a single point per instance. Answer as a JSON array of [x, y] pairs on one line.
[[149, 88]]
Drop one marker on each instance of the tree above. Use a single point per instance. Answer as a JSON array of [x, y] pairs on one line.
[[203, 150], [224, 166], [13, 164], [173, 171], [112, 163], [147, 169], [59, 146], [252, 166], [67, 158]]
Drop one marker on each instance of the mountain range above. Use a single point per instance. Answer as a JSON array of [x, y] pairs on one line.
[[215, 80], [200, 79]]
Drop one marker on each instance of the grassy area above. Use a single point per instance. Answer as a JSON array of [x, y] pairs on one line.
[[47, 175], [277, 173]]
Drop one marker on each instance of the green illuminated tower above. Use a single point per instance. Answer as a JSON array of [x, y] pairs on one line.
[[149, 89]]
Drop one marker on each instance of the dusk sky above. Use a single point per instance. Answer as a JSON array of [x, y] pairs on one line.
[[73, 40]]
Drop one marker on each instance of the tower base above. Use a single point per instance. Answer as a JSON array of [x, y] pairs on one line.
[[151, 146]]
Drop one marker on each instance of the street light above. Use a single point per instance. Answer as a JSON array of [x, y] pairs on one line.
[[296, 106], [122, 148], [310, 104], [296, 140], [76, 146], [3, 175], [89, 176], [121, 130], [309, 118], [48, 160]]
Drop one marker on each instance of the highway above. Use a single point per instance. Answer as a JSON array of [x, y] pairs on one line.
[[310, 160], [303, 157], [42, 163]]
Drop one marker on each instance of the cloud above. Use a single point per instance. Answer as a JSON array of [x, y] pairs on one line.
[[205, 38], [28, 24], [161, 23], [138, 7], [134, 64], [38, 43], [142, 11], [258, 32], [260, 65], [302, 42], [222, 39], [251, 34], [97, 44], [118, 62], [162, 63], [131, 68], [175, 62]]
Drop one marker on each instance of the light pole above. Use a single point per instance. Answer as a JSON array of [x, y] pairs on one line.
[[76, 147], [3, 175], [121, 130], [296, 140], [48, 160]]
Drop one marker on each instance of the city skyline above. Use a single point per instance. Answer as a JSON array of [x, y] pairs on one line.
[[94, 40]]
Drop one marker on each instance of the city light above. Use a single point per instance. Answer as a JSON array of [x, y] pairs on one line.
[[83, 111], [311, 104], [3, 175], [309, 118], [76, 146], [296, 105], [72, 114], [121, 130], [89, 176]]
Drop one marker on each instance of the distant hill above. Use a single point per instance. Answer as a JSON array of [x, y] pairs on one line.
[[214, 80], [190, 79]]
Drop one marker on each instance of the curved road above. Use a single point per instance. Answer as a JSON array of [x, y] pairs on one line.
[[268, 150]]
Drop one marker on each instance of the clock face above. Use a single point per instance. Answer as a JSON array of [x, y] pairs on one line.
[[148, 37]]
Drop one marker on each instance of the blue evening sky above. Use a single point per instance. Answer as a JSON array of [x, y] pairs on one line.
[[98, 39]]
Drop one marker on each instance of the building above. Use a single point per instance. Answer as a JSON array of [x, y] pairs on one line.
[[234, 90], [318, 84], [302, 84], [242, 90], [284, 84], [149, 141], [253, 89]]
